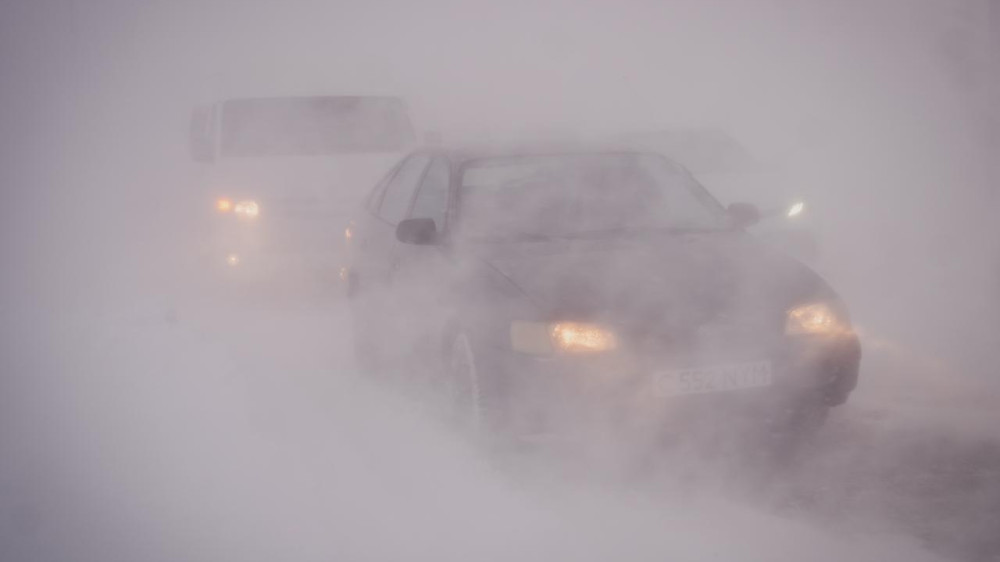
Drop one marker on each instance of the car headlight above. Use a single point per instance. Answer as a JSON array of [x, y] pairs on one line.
[[561, 337], [795, 209], [248, 209], [815, 319]]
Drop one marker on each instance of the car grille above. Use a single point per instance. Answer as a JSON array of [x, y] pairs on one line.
[[712, 340]]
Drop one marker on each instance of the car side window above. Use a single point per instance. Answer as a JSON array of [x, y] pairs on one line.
[[432, 198], [399, 192]]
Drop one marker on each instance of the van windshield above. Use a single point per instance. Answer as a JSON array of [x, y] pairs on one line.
[[310, 126]]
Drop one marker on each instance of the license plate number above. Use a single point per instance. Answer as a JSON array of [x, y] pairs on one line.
[[717, 378]]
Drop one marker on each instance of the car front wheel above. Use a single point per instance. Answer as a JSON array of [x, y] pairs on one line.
[[462, 388]]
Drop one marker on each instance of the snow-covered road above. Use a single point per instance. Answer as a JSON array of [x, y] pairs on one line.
[[200, 429]]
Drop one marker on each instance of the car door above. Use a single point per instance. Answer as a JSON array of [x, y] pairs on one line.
[[420, 273], [358, 229], [374, 235]]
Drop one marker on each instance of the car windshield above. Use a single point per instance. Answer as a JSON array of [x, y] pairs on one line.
[[311, 126], [578, 195]]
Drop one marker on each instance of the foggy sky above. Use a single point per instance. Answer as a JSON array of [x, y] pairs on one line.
[[881, 112]]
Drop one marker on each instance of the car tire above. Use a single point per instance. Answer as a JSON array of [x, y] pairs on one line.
[[463, 386]]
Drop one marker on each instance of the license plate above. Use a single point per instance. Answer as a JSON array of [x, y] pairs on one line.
[[717, 378]]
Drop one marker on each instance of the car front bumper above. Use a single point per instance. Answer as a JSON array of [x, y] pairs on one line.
[[542, 394]]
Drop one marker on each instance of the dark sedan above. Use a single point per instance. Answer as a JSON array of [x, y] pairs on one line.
[[565, 290]]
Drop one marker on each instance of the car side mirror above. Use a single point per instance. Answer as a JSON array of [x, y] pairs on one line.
[[742, 215], [422, 232]]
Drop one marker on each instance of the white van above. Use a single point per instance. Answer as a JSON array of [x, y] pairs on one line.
[[281, 176]]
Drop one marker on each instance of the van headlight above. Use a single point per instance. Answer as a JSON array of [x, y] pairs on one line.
[[248, 209], [539, 338], [814, 319]]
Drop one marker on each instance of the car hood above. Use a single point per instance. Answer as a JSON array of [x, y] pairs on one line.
[[672, 282]]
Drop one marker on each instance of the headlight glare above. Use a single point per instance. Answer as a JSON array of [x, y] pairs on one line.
[[563, 337], [574, 337], [795, 209], [249, 209], [816, 319]]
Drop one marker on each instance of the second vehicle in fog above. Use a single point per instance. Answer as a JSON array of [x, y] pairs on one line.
[[280, 176]]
